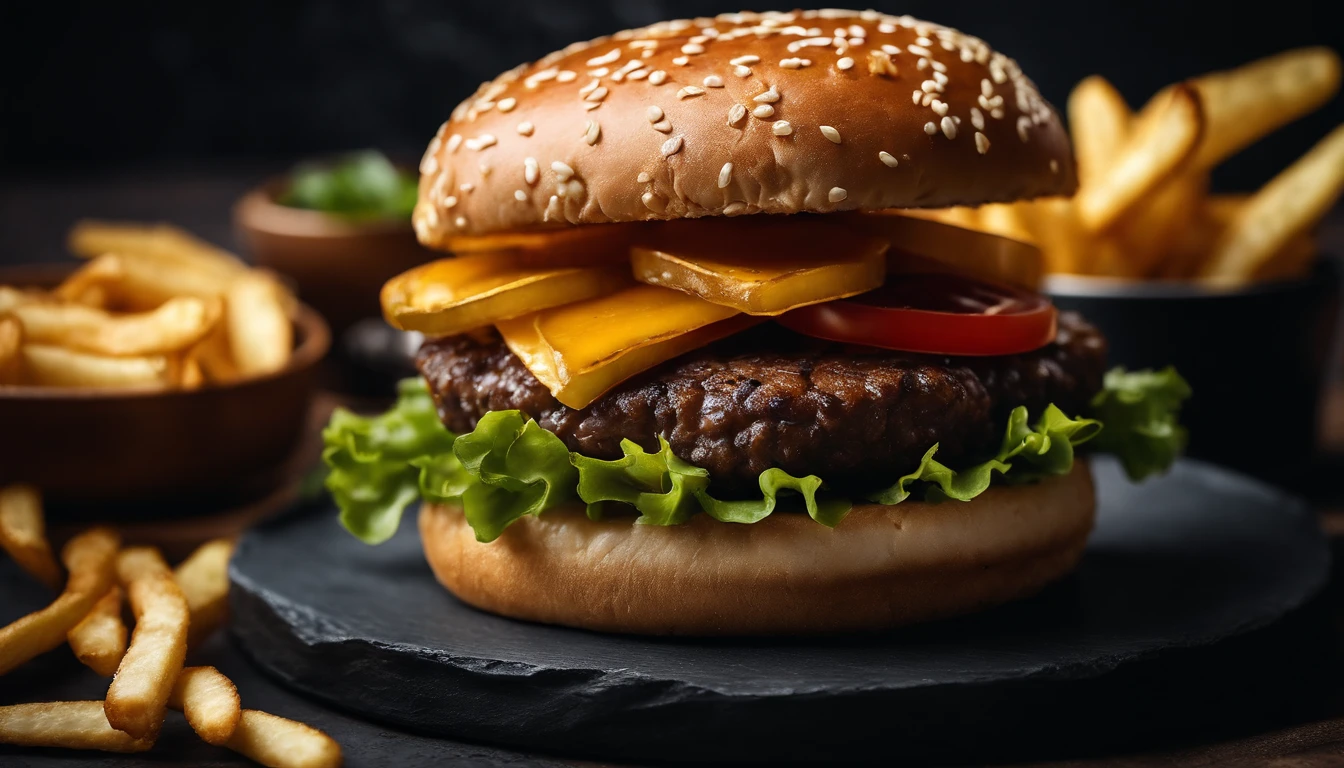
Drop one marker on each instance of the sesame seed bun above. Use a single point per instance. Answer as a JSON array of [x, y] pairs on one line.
[[883, 566], [810, 111]]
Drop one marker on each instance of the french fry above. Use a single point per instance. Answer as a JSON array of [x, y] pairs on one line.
[[204, 580], [99, 640], [150, 280], [1244, 104], [1291, 262], [1099, 124], [190, 374], [210, 702], [260, 335], [1148, 232], [12, 298], [138, 697], [90, 238], [11, 339], [89, 285], [1288, 205], [66, 725], [90, 558], [1163, 137], [214, 356], [279, 743], [173, 326], [60, 367], [23, 534]]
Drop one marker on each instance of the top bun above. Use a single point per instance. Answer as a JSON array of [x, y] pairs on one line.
[[809, 111]]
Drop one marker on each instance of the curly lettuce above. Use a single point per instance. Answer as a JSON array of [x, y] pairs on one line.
[[509, 466]]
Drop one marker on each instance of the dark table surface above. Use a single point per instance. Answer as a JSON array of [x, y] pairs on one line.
[[35, 214]]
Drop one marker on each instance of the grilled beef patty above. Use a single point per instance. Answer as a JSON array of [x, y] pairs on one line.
[[856, 416]]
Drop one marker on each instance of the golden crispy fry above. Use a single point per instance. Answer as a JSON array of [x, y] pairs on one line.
[[279, 743], [175, 325], [1288, 205], [204, 580], [23, 534], [99, 640], [260, 335], [59, 367], [138, 696], [149, 280], [1163, 137], [214, 356], [1099, 124], [210, 702], [1292, 262], [90, 238], [11, 298], [1246, 103], [1148, 232], [190, 375], [90, 284], [90, 558], [11, 339], [65, 724]]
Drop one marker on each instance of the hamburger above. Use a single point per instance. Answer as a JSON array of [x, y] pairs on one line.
[[698, 367]]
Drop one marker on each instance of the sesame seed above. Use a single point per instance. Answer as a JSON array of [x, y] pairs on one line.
[[734, 208], [682, 61], [837, 194], [949, 128], [693, 48], [930, 128], [744, 60], [574, 188], [484, 141], [857, 31], [888, 159], [606, 58], [525, 128], [638, 74], [781, 128], [672, 146], [923, 40], [940, 78], [844, 63], [763, 111], [927, 99], [1054, 166], [563, 171], [831, 134], [977, 119], [530, 170], [981, 142], [886, 29], [485, 169], [1023, 127], [916, 96], [590, 87], [690, 91], [891, 50], [653, 202], [520, 195], [643, 177], [939, 107], [725, 175], [460, 221], [655, 113], [713, 81], [507, 105], [930, 86], [742, 71], [698, 40], [450, 201], [770, 96], [919, 50], [662, 126], [566, 76], [597, 95], [790, 63], [453, 142], [589, 106], [592, 132], [996, 113], [736, 113], [657, 76], [922, 64], [986, 88], [599, 72]]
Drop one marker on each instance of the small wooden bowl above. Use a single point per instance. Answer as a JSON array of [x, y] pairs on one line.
[[146, 454], [338, 264]]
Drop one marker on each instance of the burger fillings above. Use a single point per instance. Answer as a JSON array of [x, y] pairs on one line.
[[698, 378]]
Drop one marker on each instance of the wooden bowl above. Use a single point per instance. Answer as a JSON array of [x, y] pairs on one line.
[[338, 264], [150, 453]]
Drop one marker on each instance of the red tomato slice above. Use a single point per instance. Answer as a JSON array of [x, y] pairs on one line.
[[937, 314]]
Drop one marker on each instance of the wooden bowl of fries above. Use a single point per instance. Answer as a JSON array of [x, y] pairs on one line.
[[336, 262], [161, 377]]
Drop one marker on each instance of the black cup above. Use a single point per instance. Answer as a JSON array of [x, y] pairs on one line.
[[1256, 358]]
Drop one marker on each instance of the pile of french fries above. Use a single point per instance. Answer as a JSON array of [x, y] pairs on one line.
[[154, 307], [1143, 209], [173, 610]]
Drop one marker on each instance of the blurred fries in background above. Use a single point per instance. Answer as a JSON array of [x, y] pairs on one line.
[[1143, 208], [150, 676], [154, 307]]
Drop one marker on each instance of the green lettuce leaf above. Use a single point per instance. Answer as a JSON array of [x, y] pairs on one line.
[[520, 469], [1140, 410], [1037, 451], [379, 464]]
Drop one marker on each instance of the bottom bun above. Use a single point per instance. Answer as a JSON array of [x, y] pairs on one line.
[[883, 566]]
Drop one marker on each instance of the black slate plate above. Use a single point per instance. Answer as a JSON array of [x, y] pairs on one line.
[[1177, 563]]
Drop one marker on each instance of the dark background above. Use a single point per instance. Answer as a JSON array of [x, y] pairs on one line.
[[111, 87]]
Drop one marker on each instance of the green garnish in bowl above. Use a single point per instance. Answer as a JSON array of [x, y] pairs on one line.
[[361, 185]]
